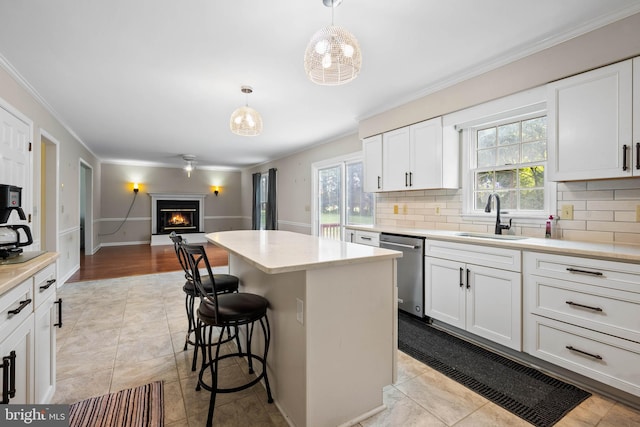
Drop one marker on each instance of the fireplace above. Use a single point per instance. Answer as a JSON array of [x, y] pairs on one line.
[[181, 216], [182, 213]]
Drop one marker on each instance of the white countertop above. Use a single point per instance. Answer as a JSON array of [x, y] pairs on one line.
[[284, 251], [12, 275], [610, 251]]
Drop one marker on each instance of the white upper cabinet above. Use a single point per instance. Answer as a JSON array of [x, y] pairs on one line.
[[372, 150], [590, 124], [396, 163], [414, 157]]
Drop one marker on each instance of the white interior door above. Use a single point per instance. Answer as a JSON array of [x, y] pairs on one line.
[[15, 158]]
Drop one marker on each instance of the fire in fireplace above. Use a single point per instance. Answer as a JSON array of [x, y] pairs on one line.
[[177, 215]]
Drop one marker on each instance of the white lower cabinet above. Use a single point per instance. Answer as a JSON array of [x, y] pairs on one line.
[[369, 238], [17, 361], [16, 344], [482, 299], [583, 314], [46, 324], [28, 340]]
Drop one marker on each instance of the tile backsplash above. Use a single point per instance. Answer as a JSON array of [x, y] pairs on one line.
[[603, 211]]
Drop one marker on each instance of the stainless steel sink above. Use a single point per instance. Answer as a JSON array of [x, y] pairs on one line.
[[491, 236]]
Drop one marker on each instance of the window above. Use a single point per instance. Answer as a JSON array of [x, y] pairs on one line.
[[340, 198], [264, 187], [509, 159]]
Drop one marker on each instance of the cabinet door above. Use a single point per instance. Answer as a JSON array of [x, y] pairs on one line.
[[372, 150], [396, 165], [349, 235], [21, 342], [45, 351], [426, 154], [444, 295], [494, 307], [589, 124]]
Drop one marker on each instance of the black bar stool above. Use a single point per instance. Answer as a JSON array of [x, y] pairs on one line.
[[225, 283], [226, 311]]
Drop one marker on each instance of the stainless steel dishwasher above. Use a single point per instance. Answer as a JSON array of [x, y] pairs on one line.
[[410, 271]]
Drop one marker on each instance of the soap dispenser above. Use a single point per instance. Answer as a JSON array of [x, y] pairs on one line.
[[547, 232]]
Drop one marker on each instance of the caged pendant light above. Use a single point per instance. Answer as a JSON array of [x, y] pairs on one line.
[[333, 55], [246, 121]]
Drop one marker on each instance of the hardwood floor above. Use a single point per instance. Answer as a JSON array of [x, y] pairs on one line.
[[132, 260]]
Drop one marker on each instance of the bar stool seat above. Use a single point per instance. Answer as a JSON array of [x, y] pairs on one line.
[[219, 312], [225, 283], [240, 307]]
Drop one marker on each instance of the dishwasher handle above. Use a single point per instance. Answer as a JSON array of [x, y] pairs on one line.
[[401, 245]]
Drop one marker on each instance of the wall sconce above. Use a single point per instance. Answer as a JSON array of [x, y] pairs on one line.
[[216, 190], [136, 187]]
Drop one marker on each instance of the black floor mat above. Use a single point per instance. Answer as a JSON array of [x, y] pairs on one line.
[[526, 392]]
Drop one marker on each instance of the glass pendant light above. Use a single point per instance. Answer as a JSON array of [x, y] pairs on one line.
[[333, 55], [246, 121]]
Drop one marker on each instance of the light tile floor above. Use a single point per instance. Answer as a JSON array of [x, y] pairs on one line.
[[126, 332]]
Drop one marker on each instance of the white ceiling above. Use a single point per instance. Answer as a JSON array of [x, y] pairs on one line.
[[150, 80]]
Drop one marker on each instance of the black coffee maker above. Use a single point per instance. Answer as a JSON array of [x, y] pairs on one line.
[[11, 241]]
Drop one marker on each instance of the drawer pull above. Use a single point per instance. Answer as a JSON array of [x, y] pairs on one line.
[[6, 363], [468, 283], [365, 238], [8, 377], [23, 304], [59, 302], [577, 270], [48, 285], [583, 306], [595, 356], [461, 273]]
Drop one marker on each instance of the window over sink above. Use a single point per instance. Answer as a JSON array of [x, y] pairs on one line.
[[504, 146]]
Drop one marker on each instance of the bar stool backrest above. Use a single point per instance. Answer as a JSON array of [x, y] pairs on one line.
[[196, 257], [177, 241]]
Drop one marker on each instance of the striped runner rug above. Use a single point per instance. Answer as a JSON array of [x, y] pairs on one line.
[[134, 407]]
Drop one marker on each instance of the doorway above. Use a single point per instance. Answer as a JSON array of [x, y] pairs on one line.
[[86, 208], [49, 152]]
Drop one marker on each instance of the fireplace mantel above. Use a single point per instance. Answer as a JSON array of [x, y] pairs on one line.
[[163, 239]]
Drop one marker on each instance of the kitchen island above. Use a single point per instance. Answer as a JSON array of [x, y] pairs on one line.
[[332, 309]]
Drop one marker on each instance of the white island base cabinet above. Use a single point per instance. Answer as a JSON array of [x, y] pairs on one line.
[[332, 339], [333, 316]]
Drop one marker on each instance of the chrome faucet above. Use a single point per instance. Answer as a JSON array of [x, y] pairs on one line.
[[499, 227]]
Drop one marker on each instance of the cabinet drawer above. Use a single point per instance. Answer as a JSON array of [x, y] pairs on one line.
[[44, 284], [20, 296], [604, 358], [369, 238], [606, 310], [489, 256], [609, 274]]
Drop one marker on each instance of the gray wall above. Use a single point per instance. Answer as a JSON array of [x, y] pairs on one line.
[[294, 183], [222, 212]]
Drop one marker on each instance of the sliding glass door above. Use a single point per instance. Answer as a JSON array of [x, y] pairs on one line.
[[340, 198]]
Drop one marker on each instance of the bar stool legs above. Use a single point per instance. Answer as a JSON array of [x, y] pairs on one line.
[[211, 357]]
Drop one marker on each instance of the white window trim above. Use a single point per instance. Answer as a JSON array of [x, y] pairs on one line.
[[522, 104]]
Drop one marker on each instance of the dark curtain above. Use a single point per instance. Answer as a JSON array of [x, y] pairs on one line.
[[255, 210], [272, 211]]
